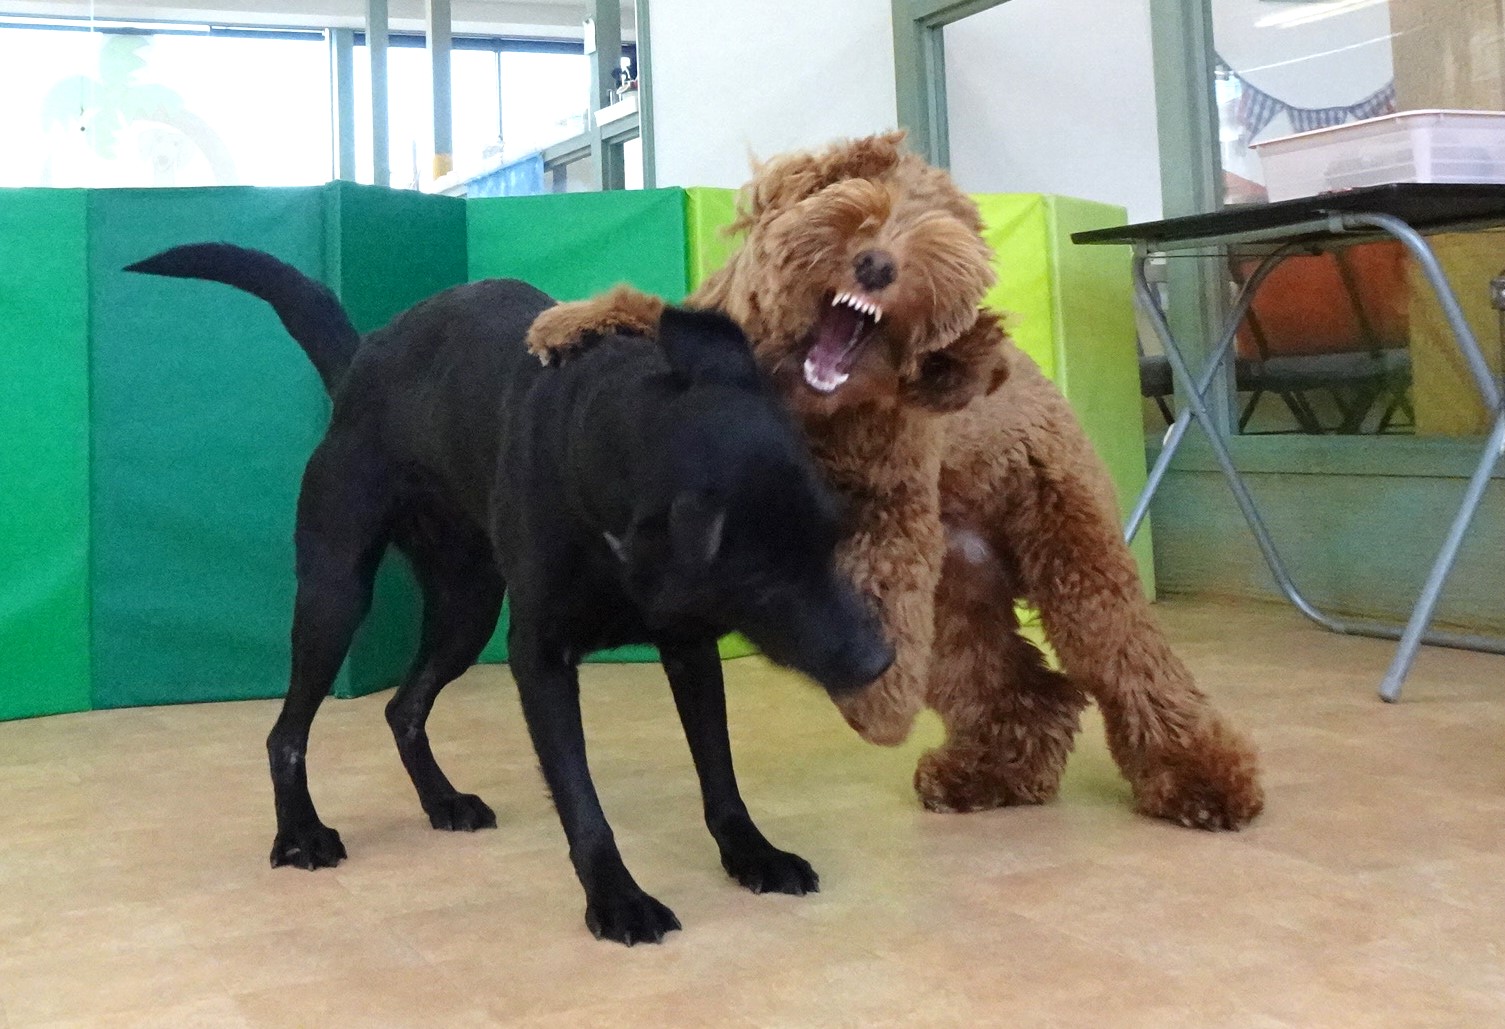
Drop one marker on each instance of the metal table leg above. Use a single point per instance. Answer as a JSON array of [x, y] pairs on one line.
[[1426, 603], [1415, 631], [1489, 390], [1150, 305], [1182, 422]]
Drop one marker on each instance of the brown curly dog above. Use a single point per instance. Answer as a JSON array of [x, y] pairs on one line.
[[971, 486]]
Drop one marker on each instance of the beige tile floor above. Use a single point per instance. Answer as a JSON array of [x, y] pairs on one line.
[[134, 886]]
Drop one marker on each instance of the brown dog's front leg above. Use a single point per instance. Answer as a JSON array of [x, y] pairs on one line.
[[895, 556], [565, 327]]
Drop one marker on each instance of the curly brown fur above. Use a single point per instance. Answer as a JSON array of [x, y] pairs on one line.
[[621, 310], [1008, 478]]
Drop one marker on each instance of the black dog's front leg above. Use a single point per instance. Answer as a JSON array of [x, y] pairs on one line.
[[694, 671], [616, 908]]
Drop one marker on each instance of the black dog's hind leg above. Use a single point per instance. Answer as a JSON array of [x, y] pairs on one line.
[[694, 672], [462, 597], [340, 539], [616, 908]]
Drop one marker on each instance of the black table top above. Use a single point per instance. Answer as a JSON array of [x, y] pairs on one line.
[[1426, 207]]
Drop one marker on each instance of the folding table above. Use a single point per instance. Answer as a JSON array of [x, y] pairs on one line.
[[1406, 212]]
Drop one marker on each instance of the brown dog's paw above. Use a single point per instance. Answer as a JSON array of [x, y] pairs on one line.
[[878, 716], [960, 779], [563, 328], [1212, 784]]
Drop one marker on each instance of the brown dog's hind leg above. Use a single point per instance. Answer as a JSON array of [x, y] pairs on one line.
[[1185, 762], [1010, 720], [564, 327]]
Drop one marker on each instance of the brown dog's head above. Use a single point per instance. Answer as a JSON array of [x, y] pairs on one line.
[[860, 280]]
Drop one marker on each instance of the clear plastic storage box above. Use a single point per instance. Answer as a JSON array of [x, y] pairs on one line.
[[1413, 146]]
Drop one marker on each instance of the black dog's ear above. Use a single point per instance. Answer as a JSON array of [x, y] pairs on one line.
[[696, 525], [706, 346]]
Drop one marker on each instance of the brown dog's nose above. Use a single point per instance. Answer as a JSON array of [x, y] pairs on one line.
[[875, 269]]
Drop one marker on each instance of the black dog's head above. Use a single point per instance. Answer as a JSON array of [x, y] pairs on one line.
[[739, 529]]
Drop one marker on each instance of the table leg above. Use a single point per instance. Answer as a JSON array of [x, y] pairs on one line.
[[1468, 345], [1421, 614], [1177, 431], [1415, 631], [1150, 305]]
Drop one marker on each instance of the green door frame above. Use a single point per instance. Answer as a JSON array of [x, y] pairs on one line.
[[1186, 112], [920, 69]]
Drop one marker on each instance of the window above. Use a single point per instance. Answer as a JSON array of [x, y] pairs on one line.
[[181, 108], [1354, 342], [474, 99], [91, 104]]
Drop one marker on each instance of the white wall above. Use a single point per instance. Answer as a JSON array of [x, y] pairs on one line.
[[764, 76], [1056, 96]]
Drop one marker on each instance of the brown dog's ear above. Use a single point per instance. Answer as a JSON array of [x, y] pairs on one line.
[[971, 367], [786, 180]]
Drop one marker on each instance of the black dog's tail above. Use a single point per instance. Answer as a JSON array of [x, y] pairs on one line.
[[310, 312]]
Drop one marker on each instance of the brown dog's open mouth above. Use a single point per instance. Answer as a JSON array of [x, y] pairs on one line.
[[845, 325]]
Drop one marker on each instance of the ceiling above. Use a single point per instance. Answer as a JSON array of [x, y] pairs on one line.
[[534, 18]]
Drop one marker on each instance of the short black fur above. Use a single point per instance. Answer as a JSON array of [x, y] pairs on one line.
[[652, 493]]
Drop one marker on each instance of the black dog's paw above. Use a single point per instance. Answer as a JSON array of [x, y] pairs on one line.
[[463, 812], [629, 917], [766, 869], [310, 847]]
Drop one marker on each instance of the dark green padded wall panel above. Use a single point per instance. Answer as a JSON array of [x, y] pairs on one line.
[[44, 453], [389, 249], [204, 412], [574, 245]]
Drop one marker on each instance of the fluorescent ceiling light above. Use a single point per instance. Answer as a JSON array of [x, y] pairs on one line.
[[1310, 12]]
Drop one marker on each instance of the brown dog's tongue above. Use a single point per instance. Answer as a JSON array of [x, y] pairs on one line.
[[840, 328]]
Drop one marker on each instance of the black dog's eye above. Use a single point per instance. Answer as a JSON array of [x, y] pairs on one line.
[[761, 591]]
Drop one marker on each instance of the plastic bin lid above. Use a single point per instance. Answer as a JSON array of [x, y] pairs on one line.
[[1430, 112]]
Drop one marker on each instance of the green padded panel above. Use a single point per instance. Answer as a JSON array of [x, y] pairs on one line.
[[572, 246], [204, 413], [575, 245], [386, 250], [1100, 367], [708, 211], [1071, 309], [44, 460]]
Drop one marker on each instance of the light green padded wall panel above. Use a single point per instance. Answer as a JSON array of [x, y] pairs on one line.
[[708, 211], [1071, 309]]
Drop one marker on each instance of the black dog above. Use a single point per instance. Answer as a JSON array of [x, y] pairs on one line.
[[652, 493]]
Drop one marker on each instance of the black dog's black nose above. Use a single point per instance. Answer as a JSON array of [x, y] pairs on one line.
[[875, 269], [862, 663], [877, 661]]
